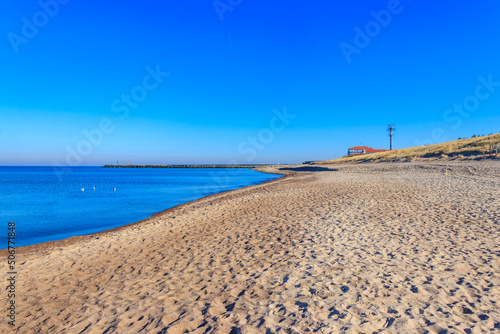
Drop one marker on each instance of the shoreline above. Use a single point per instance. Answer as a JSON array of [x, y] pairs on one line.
[[386, 248], [47, 245]]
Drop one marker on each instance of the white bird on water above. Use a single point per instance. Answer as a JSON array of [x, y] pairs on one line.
[[93, 188], [82, 189]]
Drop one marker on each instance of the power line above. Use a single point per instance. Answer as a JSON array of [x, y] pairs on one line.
[[391, 128]]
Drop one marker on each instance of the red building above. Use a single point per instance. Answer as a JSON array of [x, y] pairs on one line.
[[363, 150]]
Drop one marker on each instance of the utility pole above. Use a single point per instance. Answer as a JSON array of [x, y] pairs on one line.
[[391, 128]]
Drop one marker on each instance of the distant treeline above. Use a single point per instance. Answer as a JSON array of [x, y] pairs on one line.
[[187, 166]]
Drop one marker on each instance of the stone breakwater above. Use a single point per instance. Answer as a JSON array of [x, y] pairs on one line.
[[193, 166]]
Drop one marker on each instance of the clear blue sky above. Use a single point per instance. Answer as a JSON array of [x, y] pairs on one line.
[[85, 66]]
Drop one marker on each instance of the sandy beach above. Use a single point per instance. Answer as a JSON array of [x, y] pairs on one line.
[[368, 248]]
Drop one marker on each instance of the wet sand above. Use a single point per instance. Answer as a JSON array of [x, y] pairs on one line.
[[391, 248]]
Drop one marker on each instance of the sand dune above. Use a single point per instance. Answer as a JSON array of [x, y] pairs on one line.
[[391, 248]]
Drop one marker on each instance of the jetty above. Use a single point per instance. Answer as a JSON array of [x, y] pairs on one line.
[[194, 166]]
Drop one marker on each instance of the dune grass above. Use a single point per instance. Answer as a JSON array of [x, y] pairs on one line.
[[472, 148]]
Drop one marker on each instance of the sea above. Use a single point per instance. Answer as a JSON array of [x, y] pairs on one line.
[[45, 204]]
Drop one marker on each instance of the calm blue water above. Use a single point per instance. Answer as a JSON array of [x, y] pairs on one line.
[[46, 207]]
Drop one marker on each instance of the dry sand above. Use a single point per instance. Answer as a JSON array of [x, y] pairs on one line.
[[391, 248]]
